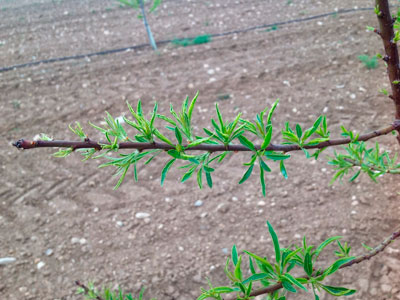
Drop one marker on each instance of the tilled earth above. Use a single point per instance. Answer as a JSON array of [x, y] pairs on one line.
[[61, 218]]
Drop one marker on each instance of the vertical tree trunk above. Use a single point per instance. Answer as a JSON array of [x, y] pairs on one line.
[[149, 34], [391, 52]]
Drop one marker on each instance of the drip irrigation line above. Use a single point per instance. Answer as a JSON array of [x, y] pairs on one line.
[[140, 46]]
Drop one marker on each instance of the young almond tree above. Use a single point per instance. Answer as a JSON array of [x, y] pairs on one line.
[[139, 4], [201, 153]]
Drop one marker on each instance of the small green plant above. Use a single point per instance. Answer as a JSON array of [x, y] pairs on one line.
[[369, 62], [90, 292], [200, 39]]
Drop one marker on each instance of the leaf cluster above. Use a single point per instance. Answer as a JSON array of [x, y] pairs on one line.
[[361, 159], [266, 273]]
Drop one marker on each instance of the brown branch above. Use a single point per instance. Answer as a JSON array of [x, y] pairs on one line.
[[25, 144], [86, 289], [357, 260], [391, 52]]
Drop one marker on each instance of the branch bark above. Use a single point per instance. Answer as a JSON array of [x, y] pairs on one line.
[[25, 144], [357, 260], [391, 53]]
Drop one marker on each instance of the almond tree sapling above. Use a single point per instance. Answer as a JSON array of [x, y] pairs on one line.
[[202, 153]]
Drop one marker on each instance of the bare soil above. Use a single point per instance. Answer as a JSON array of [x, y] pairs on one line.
[[71, 208]]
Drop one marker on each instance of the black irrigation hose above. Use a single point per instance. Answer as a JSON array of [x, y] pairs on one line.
[[105, 52]]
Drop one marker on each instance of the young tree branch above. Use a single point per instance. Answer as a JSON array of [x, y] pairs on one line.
[[26, 144], [391, 52], [395, 235]]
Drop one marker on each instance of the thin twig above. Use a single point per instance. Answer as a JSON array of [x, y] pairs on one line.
[[86, 289], [25, 144], [357, 260]]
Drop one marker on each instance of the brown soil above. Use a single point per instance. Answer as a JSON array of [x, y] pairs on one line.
[[70, 207]]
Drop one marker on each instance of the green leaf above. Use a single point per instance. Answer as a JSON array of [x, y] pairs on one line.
[[262, 180], [197, 142], [188, 174], [199, 178], [271, 111], [338, 291], [299, 132], [255, 277], [336, 265], [267, 138], [263, 261], [324, 244], [287, 286], [209, 179], [220, 117], [295, 281], [308, 267], [275, 241], [162, 137], [264, 165], [283, 169], [165, 170], [355, 176], [245, 142], [247, 174], [238, 271], [276, 156], [234, 255], [178, 136]]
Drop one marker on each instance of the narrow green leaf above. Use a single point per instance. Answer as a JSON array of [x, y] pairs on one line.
[[263, 261], [295, 281], [262, 180], [299, 132], [209, 179], [255, 277], [234, 255], [238, 271], [275, 241], [287, 286], [190, 111], [165, 170], [247, 174], [178, 136], [338, 291], [324, 244], [308, 267], [267, 138], [283, 169], [199, 178], [271, 111], [245, 142], [264, 165], [276, 156]]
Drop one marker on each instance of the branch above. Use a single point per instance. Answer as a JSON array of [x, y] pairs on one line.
[[357, 260], [25, 144], [391, 52]]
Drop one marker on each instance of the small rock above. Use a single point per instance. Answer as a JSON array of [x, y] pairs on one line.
[[48, 252], [75, 240], [142, 215], [120, 224], [225, 250], [40, 265], [234, 199], [7, 260], [261, 203], [82, 241], [222, 208], [198, 203]]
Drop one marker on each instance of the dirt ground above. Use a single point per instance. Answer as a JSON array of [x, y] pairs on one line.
[[61, 218]]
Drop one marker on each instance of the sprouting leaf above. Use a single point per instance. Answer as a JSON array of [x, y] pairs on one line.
[[245, 142], [275, 241], [283, 169], [338, 291], [247, 174], [234, 255], [166, 169]]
